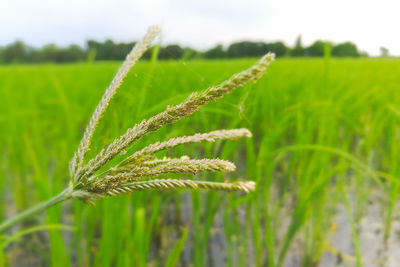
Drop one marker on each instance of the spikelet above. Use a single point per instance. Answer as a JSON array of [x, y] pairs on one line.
[[174, 184], [87, 184], [182, 165], [210, 137], [173, 165], [192, 166]]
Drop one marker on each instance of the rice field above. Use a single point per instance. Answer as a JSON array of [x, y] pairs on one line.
[[324, 154]]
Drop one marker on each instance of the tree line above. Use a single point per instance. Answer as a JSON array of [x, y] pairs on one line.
[[19, 52]]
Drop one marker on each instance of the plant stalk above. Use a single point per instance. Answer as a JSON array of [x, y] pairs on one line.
[[7, 224]]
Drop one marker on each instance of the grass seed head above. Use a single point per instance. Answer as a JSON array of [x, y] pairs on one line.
[[87, 184]]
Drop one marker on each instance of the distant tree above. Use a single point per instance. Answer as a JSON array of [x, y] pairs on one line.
[[279, 48], [247, 49], [316, 49], [384, 51], [346, 49], [103, 50], [120, 50], [190, 53], [16, 52], [72, 53], [147, 55], [48, 53], [109, 50], [216, 52], [91, 55], [92, 47], [255, 49], [238, 49], [171, 52], [1, 54], [298, 49]]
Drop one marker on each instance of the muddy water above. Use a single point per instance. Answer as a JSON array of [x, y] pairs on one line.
[[340, 253], [374, 251]]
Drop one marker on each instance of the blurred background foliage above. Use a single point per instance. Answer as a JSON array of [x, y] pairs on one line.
[[19, 52], [326, 134]]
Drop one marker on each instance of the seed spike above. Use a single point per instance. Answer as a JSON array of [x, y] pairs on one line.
[[169, 184]]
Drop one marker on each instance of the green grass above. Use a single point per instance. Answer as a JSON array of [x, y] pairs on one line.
[[326, 133]]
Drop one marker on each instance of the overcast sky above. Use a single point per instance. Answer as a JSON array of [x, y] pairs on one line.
[[203, 24]]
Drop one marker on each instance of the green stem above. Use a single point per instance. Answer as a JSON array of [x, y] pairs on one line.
[[7, 224]]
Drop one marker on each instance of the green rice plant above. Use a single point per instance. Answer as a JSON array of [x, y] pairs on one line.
[[141, 170]]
